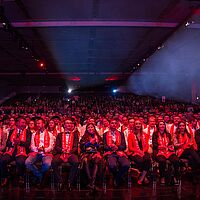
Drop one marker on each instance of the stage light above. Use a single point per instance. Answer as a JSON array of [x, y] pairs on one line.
[[69, 90], [187, 24], [114, 90], [41, 65], [197, 98]]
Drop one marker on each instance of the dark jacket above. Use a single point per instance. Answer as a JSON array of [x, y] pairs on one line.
[[58, 145], [121, 147]]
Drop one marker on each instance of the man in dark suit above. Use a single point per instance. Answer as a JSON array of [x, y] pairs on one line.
[[114, 147], [17, 148], [66, 150]]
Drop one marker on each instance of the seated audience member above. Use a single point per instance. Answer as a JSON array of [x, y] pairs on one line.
[[105, 126], [114, 147], [124, 124], [163, 150], [58, 123], [66, 150], [52, 128], [12, 123], [41, 147], [91, 146], [138, 150], [17, 148], [3, 140], [171, 128], [31, 126], [151, 128], [128, 131], [186, 146], [197, 139]]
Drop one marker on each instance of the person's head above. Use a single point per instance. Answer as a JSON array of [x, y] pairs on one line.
[[176, 120], [105, 122], [125, 121], [40, 123], [56, 119], [12, 122], [21, 123], [131, 123], [137, 126], [52, 124], [90, 128], [31, 124], [161, 126], [91, 120], [69, 124], [113, 124], [193, 122], [166, 118], [141, 119], [152, 121], [28, 120], [159, 118], [6, 120], [181, 126]]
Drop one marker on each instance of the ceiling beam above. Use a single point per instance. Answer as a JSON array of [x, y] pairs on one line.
[[84, 73], [103, 23]]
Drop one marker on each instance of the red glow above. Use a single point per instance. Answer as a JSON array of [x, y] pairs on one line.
[[112, 78], [74, 78], [196, 11], [41, 65]]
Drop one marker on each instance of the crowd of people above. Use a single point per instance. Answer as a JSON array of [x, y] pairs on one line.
[[95, 131]]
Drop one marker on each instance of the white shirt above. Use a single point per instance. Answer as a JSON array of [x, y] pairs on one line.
[[113, 137], [151, 133], [41, 143]]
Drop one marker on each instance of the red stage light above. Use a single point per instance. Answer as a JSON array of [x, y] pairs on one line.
[[41, 65], [74, 78], [112, 78]]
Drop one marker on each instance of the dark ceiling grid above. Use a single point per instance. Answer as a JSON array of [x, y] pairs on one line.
[[23, 66], [42, 44], [93, 52]]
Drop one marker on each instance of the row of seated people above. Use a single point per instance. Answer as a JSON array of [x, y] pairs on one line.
[[26, 147]]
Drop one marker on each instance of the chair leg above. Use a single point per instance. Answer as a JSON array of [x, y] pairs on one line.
[[78, 180], [179, 189], [104, 183], [52, 180], [129, 179], [27, 180]]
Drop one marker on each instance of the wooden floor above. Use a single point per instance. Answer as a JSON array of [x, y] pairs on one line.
[[187, 191]]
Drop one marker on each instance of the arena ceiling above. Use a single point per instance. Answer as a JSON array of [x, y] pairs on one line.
[[83, 43]]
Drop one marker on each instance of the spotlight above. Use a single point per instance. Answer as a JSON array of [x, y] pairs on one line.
[[41, 64], [197, 98], [187, 24], [69, 90], [114, 90]]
